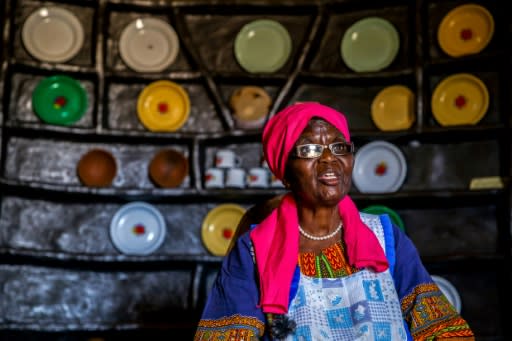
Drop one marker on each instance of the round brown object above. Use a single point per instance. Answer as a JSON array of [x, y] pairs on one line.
[[250, 105], [168, 168], [97, 168]]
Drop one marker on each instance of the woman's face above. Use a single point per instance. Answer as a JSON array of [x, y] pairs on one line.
[[324, 180]]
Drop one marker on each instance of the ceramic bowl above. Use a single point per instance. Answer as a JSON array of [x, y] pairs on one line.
[[168, 168], [97, 168]]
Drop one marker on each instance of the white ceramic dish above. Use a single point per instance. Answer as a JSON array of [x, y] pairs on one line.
[[148, 45], [137, 228], [52, 34], [449, 291], [379, 167]]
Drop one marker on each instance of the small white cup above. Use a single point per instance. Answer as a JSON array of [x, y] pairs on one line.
[[258, 177], [214, 178], [226, 158], [275, 182], [235, 177]]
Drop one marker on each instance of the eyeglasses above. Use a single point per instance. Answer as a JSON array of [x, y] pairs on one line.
[[312, 150]]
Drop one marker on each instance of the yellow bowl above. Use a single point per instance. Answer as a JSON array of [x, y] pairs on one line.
[[163, 106], [466, 29], [392, 108], [460, 99]]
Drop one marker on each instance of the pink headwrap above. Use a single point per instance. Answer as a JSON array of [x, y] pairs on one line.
[[276, 239]]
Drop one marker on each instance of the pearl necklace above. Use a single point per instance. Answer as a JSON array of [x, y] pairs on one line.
[[328, 236]]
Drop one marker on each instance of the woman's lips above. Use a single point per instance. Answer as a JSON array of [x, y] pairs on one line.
[[329, 178]]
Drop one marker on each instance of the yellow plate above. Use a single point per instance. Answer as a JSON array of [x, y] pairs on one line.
[[393, 108], [163, 106], [219, 227], [460, 99], [466, 29]]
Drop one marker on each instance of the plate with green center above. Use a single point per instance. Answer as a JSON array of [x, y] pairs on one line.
[[59, 100]]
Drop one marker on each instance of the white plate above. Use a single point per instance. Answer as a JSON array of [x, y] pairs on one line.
[[449, 291], [52, 34], [379, 167], [137, 228], [148, 45]]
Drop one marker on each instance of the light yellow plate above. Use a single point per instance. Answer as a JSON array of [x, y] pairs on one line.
[[163, 106], [393, 108], [219, 227], [460, 99], [466, 29]]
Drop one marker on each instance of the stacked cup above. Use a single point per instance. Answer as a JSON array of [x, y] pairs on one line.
[[227, 171]]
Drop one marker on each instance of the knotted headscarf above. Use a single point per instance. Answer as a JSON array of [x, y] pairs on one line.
[[276, 238]]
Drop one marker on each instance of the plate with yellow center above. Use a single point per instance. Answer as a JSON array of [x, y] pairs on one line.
[[163, 106], [137, 228], [393, 108], [219, 227], [379, 167], [460, 99], [465, 30]]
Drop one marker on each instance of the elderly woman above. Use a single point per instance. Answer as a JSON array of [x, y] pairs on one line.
[[316, 268]]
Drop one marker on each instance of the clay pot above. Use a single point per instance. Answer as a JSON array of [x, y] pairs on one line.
[[97, 168], [250, 106], [168, 168]]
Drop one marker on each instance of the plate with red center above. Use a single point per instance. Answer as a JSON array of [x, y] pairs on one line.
[[379, 167], [163, 106], [219, 227], [466, 29], [59, 100], [137, 228], [460, 99]]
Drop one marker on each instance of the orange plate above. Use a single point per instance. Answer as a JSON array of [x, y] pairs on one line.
[[393, 108], [466, 29], [460, 99], [163, 106]]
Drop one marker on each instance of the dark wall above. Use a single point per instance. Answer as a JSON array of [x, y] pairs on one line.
[[61, 276]]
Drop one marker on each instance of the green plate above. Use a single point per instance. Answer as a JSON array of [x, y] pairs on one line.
[[380, 209], [59, 100], [370, 44], [263, 45]]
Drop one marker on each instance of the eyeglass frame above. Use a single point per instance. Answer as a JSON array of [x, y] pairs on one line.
[[350, 144]]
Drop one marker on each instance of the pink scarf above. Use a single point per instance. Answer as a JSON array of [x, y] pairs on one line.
[[276, 239]]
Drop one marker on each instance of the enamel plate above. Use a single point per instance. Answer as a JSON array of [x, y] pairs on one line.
[[263, 45], [137, 228], [466, 29], [379, 167], [59, 100], [370, 44], [449, 291], [52, 34], [148, 45], [392, 108], [460, 99], [219, 226], [163, 106]]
